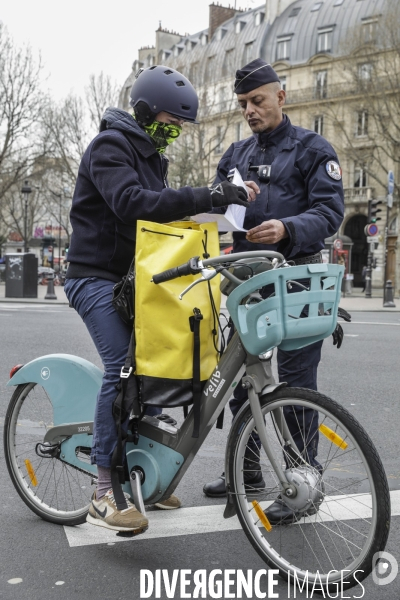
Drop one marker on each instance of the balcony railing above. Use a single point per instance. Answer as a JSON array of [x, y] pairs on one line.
[[339, 90], [359, 194]]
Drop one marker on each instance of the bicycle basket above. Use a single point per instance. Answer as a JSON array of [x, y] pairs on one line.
[[301, 307]]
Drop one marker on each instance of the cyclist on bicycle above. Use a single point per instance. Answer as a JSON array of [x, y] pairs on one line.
[[122, 178]]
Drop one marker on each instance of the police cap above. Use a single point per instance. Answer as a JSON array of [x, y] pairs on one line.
[[253, 75]]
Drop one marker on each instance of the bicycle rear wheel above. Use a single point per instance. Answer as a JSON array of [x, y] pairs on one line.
[[342, 506], [53, 489]]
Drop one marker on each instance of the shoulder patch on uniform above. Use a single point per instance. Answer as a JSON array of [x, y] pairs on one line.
[[334, 170]]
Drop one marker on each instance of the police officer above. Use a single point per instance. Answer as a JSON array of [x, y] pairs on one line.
[[294, 180], [122, 178]]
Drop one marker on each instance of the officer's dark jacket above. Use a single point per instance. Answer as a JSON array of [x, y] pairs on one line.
[[300, 193], [121, 178]]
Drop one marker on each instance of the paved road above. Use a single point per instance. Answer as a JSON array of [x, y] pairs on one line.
[[54, 563]]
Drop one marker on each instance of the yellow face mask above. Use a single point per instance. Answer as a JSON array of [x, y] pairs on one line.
[[162, 134]]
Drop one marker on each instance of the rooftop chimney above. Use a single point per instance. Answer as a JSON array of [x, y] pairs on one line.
[[218, 15]]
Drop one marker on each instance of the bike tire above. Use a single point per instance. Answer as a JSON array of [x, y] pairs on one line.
[[352, 514], [54, 490]]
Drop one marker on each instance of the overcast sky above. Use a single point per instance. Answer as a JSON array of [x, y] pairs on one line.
[[80, 37]]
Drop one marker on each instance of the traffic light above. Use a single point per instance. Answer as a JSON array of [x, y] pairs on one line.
[[373, 210]]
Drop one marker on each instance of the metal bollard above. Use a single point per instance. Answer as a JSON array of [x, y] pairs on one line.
[[388, 295], [50, 294]]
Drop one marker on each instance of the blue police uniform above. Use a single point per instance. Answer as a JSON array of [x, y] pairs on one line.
[[305, 193]]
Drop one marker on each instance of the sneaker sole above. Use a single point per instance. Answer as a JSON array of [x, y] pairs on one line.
[[163, 507], [101, 523]]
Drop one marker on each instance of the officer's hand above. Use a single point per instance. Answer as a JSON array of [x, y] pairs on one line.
[[269, 232], [252, 190], [226, 193]]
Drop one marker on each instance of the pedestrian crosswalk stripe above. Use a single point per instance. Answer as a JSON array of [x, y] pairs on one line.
[[205, 519]]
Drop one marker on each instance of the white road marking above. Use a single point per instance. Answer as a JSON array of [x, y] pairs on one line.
[[209, 519], [371, 323], [351, 335]]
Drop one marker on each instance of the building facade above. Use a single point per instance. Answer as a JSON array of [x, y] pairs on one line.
[[339, 62]]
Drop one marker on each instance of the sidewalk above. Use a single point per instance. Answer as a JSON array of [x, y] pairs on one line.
[[42, 291], [353, 303]]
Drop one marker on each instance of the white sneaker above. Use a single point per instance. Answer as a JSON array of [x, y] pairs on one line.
[[104, 513]]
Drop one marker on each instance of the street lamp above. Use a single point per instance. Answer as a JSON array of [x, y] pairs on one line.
[[26, 190]]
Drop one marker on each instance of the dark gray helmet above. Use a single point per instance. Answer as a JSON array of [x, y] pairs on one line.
[[161, 88]]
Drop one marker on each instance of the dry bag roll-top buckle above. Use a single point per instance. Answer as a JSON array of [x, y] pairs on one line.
[[125, 373]]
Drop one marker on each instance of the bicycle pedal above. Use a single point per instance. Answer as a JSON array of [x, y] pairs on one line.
[[129, 534]]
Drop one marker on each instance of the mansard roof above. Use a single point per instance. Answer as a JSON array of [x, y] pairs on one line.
[[304, 20], [247, 35]]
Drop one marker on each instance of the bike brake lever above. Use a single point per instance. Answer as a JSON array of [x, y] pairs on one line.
[[206, 274]]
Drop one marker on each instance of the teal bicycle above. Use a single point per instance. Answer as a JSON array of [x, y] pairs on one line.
[[342, 507]]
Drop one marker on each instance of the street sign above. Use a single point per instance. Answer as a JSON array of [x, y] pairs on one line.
[[338, 244], [372, 239], [371, 229], [390, 182], [390, 200]]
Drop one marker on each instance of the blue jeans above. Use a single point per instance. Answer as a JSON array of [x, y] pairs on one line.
[[91, 298]]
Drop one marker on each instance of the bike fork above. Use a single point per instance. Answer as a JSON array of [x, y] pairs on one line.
[[254, 389]]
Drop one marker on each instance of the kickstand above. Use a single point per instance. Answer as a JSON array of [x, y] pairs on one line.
[[136, 487]]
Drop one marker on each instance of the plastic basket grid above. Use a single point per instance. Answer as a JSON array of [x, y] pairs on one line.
[[291, 318]]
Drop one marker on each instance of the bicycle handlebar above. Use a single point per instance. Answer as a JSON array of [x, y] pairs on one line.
[[188, 268], [192, 267]]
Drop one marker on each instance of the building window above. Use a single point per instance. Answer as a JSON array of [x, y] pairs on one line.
[[218, 146], [210, 68], [166, 54], [222, 95], [365, 72], [227, 65], [221, 34], [319, 124], [324, 43], [321, 84], [295, 11], [362, 123], [248, 53], [369, 29], [204, 39], [360, 176], [316, 6], [239, 131], [283, 48], [193, 72], [282, 79], [239, 26], [259, 18]]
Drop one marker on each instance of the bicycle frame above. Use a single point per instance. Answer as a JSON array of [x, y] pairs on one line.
[[163, 453]]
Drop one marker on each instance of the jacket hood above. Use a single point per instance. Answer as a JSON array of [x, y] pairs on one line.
[[115, 118]]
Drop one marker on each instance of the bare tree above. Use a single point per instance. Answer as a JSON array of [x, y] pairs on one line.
[[372, 71], [21, 105], [101, 92], [194, 155]]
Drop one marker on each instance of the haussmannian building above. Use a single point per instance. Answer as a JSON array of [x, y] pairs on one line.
[[330, 56]]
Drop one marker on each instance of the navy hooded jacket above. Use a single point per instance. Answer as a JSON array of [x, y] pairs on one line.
[[305, 190], [121, 179]]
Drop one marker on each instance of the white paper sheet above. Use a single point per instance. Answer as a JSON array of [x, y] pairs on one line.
[[233, 219]]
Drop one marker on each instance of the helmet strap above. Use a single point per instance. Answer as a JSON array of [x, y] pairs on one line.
[[143, 115]]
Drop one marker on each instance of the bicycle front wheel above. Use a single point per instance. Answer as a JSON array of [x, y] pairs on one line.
[[341, 508], [53, 489]]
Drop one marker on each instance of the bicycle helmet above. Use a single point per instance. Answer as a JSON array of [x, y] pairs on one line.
[[159, 89]]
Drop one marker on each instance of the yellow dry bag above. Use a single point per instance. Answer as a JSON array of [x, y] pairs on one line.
[[164, 336]]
